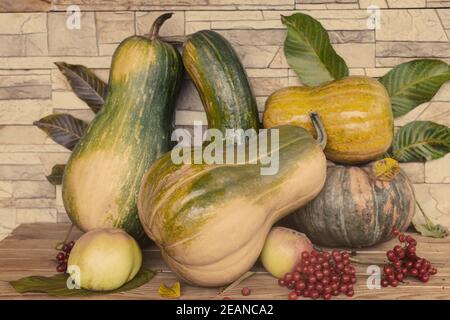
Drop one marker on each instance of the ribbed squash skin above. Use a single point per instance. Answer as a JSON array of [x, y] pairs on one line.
[[133, 129], [211, 221], [221, 82], [355, 111], [354, 209]]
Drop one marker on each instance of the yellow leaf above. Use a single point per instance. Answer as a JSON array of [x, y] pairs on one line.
[[170, 292], [386, 169]]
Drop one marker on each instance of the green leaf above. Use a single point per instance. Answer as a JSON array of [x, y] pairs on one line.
[[55, 177], [57, 285], [63, 128], [309, 52], [413, 83], [436, 231], [86, 85], [421, 141]]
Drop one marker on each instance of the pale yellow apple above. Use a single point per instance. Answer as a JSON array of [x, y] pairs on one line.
[[282, 250], [106, 259]]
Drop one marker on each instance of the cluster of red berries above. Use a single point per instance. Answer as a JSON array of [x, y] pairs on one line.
[[405, 262], [63, 256], [320, 274]]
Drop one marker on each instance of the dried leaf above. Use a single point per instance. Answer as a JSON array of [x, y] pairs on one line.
[[233, 285], [55, 177], [63, 128], [386, 169], [173, 292], [57, 285], [86, 85]]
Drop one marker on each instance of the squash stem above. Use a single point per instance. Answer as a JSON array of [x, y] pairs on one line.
[[154, 31], [320, 130]]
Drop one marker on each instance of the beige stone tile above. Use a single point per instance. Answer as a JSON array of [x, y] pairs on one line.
[[410, 25], [247, 24], [342, 6], [279, 61], [67, 100], [59, 200], [25, 86], [319, 6], [192, 27], [438, 3], [266, 73], [62, 217], [6, 189], [19, 158], [352, 36], [66, 42], [188, 98], [260, 102], [12, 45], [256, 56], [15, 112], [22, 172], [363, 4], [7, 72], [31, 148], [188, 117], [107, 49], [36, 45], [21, 135], [254, 37], [357, 55], [377, 72], [294, 81], [50, 159], [266, 86], [83, 114], [36, 215], [7, 220], [113, 27], [413, 49], [438, 112], [414, 171], [411, 116], [438, 171], [33, 203], [21, 23], [223, 15], [33, 189], [444, 14], [172, 27], [406, 3], [394, 61], [444, 93], [48, 62], [357, 72], [435, 201]]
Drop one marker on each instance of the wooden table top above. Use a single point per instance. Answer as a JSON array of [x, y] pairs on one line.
[[29, 250]]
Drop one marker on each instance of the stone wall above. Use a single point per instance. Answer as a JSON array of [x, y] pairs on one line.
[[33, 36]]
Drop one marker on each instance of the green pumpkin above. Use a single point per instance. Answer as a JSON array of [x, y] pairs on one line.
[[211, 220], [133, 129], [355, 209]]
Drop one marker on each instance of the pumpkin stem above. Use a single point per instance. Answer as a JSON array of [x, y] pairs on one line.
[[154, 31], [320, 130]]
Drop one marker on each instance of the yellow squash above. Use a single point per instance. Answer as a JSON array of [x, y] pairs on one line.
[[356, 113]]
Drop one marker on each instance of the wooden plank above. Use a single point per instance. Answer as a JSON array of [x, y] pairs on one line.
[[29, 250]]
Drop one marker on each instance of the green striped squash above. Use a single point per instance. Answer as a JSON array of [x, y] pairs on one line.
[[133, 129], [211, 220], [221, 82], [355, 209]]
